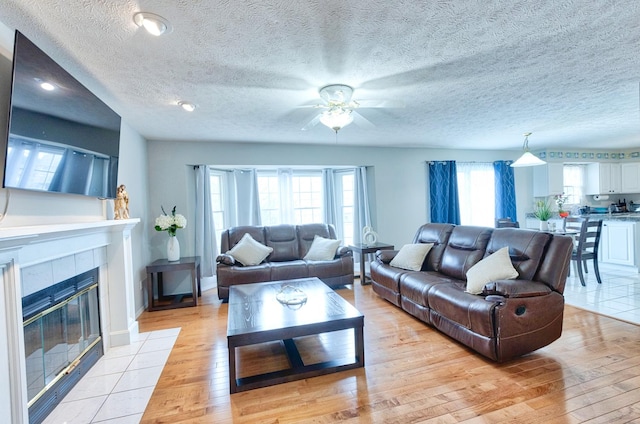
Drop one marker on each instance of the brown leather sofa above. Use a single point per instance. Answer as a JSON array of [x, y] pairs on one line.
[[290, 244], [510, 317]]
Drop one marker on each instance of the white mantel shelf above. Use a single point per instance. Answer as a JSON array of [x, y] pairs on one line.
[[9, 234], [104, 244]]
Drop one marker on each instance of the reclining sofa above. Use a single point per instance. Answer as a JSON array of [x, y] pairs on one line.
[[510, 317], [290, 244]]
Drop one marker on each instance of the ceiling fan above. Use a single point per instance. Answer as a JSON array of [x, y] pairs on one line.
[[339, 108]]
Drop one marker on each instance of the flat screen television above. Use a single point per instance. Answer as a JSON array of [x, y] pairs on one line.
[[61, 137]]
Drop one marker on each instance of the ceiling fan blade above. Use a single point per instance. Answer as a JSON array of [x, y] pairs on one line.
[[311, 123], [361, 121], [381, 104]]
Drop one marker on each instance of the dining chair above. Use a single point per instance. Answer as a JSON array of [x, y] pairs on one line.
[[506, 223], [586, 247]]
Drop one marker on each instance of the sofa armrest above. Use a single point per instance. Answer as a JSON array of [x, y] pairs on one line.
[[344, 251], [516, 288], [386, 256], [225, 259]]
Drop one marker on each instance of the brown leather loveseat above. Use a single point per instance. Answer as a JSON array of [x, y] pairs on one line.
[[509, 317], [290, 244]]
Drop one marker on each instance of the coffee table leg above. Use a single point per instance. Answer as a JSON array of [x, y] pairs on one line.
[[233, 388]]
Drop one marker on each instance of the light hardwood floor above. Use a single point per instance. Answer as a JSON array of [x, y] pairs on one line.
[[413, 374]]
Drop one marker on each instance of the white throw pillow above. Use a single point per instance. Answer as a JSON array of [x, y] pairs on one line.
[[249, 252], [496, 266], [322, 249], [411, 256]]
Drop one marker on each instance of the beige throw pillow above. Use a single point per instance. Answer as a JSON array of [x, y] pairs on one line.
[[411, 256], [249, 252], [496, 266], [322, 249]]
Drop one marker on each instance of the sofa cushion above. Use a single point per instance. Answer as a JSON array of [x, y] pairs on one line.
[[249, 252], [526, 248], [465, 248], [322, 249], [411, 256], [307, 232], [496, 266], [438, 235], [284, 242]]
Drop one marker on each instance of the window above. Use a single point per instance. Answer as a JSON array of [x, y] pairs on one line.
[[307, 199], [573, 177], [346, 197], [290, 197], [476, 193], [217, 181], [269, 192]]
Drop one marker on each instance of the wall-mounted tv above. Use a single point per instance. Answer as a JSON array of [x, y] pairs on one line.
[[61, 138]]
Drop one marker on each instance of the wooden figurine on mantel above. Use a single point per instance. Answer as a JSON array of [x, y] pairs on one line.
[[121, 205]]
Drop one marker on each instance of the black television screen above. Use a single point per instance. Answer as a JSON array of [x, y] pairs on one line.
[[61, 138]]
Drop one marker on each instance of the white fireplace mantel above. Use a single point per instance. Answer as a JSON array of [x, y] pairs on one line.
[[102, 244]]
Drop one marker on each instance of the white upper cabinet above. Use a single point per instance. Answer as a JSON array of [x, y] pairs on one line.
[[548, 180], [630, 177], [603, 178]]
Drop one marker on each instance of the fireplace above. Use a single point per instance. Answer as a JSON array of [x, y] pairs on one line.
[[62, 339], [87, 264]]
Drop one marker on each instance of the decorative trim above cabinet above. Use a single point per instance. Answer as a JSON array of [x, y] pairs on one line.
[[589, 156]]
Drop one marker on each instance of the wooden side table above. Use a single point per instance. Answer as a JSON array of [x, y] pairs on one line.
[[154, 275], [364, 250]]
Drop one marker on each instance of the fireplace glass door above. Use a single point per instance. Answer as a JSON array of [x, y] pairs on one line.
[[58, 337]]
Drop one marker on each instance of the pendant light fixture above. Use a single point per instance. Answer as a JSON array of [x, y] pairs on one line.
[[527, 158]]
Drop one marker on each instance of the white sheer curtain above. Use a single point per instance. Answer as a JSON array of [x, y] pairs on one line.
[[204, 226], [285, 183], [476, 193], [329, 207], [362, 213], [247, 206]]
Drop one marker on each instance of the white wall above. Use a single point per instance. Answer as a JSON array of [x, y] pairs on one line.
[[400, 189]]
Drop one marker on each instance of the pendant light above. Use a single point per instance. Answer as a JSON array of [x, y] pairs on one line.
[[527, 158]]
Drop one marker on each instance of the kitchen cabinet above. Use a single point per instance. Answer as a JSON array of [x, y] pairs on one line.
[[603, 178], [618, 243], [630, 177], [548, 180]]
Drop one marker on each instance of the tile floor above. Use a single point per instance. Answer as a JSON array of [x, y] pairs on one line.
[[118, 387], [618, 296]]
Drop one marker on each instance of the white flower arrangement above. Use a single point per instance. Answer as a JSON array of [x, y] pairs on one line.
[[170, 223]]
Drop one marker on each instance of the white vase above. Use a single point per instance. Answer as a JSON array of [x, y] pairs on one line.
[[173, 249], [544, 225]]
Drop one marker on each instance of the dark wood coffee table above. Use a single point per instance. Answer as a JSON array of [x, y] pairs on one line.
[[256, 316]]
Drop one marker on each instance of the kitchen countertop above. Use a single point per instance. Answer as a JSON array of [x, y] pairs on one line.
[[624, 216]]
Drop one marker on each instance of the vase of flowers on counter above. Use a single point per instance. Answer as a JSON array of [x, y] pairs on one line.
[[170, 224], [560, 201]]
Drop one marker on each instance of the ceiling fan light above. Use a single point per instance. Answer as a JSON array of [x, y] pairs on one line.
[[336, 119]]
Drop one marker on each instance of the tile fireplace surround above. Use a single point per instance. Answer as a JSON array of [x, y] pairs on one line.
[[44, 254]]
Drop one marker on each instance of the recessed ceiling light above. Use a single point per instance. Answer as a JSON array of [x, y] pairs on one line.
[[188, 106], [154, 24]]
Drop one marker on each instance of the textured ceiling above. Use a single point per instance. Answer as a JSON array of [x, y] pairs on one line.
[[471, 74]]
